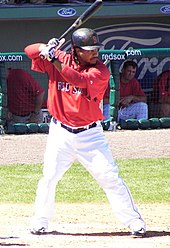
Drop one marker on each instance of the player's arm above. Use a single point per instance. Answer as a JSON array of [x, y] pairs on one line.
[[125, 101], [39, 101], [38, 104], [139, 99], [137, 96], [33, 50], [164, 99], [92, 79]]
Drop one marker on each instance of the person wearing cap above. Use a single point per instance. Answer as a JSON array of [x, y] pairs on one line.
[[77, 83]]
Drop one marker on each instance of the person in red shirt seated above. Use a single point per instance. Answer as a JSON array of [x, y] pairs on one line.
[[133, 100], [25, 97], [161, 93]]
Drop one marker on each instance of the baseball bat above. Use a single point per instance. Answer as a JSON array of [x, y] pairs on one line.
[[78, 22], [83, 17]]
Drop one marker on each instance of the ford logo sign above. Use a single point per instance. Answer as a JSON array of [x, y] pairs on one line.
[[66, 12], [165, 9]]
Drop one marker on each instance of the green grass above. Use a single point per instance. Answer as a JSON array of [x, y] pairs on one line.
[[148, 180]]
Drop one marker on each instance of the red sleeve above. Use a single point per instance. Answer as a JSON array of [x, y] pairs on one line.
[[95, 79], [162, 81], [32, 51], [38, 64]]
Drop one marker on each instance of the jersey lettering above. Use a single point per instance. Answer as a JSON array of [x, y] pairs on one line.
[[77, 90], [63, 86], [60, 85]]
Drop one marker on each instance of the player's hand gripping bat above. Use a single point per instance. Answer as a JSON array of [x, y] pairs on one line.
[[57, 43]]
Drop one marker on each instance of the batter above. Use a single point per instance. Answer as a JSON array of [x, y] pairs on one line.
[[77, 83]]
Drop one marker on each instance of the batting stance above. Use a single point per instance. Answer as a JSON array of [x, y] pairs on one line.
[[77, 83]]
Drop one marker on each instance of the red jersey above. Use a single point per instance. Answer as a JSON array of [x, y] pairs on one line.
[[75, 93], [163, 84], [22, 90], [133, 87]]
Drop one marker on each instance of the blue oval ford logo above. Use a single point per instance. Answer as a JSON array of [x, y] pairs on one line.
[[165, 9], [66, 12]]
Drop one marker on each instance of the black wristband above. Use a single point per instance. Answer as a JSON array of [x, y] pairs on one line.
[[53, 59]]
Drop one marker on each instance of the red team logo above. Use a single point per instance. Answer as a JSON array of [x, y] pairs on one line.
[[94, 40]]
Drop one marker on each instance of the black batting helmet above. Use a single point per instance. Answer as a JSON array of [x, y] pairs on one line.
[[86, 39]]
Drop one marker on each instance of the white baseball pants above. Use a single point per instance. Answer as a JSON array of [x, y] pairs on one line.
[[91, 149]]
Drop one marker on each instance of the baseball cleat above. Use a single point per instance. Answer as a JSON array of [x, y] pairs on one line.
[[40, 231], [139, 233]]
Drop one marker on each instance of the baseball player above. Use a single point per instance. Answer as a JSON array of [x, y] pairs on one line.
[[161, 93], [132, 97], [77, 83]]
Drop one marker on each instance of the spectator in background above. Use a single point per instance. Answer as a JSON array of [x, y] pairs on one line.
[[24, 96], [132, 98], [161, 93]]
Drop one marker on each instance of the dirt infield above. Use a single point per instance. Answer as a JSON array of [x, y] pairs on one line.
[[124, 144], [85, 225]]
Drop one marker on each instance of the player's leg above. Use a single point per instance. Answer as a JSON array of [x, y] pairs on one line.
[[96, 157], [19, 119], [126, 113], [106, 111], [141, 110], [138, 110], [58, 159]]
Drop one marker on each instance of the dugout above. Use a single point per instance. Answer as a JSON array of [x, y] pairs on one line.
[[114, 60], [121, 26]]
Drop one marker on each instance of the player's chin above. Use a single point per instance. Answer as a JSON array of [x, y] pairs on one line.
[[93, 61]]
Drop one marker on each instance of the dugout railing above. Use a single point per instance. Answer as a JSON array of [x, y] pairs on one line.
[[147, 60]]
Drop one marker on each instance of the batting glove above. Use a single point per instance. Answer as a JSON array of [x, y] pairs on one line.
[[53, 42], [51, 55], [56, 42], [48, 53]]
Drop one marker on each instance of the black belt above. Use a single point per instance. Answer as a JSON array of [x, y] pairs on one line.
[[75, 130]]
